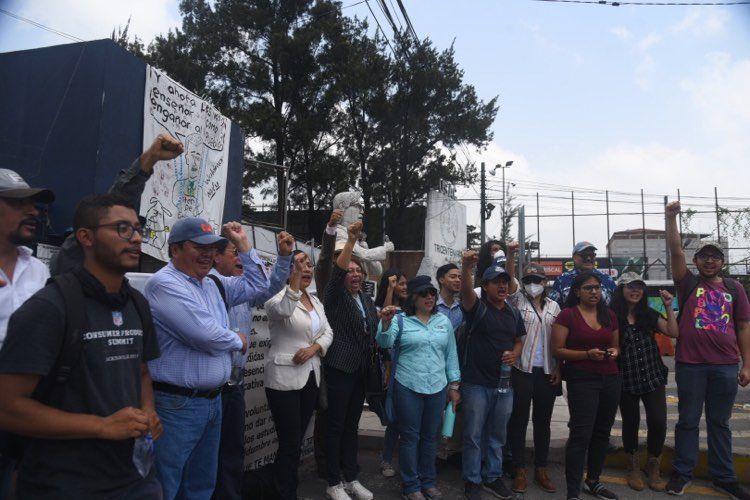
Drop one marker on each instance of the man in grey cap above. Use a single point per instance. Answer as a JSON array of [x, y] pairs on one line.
[[584, 259], [714, 326], [21, 275], [196, 342]]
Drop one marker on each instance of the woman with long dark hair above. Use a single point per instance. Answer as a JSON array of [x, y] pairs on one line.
[[391, 292], [644, 375], [585, 337], [487, 256]]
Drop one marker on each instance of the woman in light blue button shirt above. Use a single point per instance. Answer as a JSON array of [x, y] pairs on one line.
[[427, 362]]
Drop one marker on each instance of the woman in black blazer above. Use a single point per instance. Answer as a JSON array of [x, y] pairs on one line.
[[353, 318]]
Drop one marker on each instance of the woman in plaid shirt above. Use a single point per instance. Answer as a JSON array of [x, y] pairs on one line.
[[644, 375]]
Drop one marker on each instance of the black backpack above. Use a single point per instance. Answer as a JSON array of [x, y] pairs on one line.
[[695, 280], [463, 332], [49, 390]]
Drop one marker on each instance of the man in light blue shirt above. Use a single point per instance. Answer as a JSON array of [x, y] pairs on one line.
[[232, 447], [196, 342]]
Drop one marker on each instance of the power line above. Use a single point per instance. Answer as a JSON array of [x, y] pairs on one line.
[[387, 40], [42, 26], [407, 20], [647, 4]]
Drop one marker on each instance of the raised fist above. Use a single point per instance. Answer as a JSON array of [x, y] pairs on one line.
[[353, 230], [667, 298], [235, 233], [470, 258], [672, 209], [336, 217], [286, 243], [164, 147], [512, 247]]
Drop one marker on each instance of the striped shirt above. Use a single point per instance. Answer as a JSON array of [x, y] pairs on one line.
[[453, 311], [536, 332]]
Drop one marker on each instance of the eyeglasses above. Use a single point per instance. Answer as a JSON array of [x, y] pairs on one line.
[[532, 279], [125, 230], [587, 257], [635, 286], [591, 288], [710, 257], [429, 292]]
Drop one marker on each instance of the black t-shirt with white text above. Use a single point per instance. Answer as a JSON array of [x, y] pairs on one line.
[[105, 378], [496, 333]]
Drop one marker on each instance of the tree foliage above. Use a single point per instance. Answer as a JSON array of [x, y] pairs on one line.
[[317, 92]]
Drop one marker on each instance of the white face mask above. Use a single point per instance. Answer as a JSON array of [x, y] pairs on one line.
[[534, 289]]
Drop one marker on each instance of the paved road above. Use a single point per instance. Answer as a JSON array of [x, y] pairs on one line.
[[449, 481]]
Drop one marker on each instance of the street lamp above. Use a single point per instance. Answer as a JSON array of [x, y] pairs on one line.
[[502, 208]]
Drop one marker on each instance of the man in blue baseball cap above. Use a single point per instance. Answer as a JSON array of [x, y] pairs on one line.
[[584, 259], [196, 342], [491, 339]]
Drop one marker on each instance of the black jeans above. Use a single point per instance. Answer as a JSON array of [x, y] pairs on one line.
[[291, 412], [592, 401], [528, 387], [346, 395], [655, 403], [231, 445]]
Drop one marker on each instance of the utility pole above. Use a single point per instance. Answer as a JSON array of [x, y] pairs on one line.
[[482, 204], [492, 172]]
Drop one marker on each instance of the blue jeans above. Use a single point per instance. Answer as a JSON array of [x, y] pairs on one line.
[[486, 414], [418, 418], [389, 444], [187, 454], [716, 387]]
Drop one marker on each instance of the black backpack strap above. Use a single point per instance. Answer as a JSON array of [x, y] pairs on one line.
[[144, 310], [221, 288], [681, 301], [75, 325], [481, 310]]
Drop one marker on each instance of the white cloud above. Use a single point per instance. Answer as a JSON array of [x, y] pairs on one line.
[[621, 32], [648, 41], [555, 47], [90, 20], [702, 22]]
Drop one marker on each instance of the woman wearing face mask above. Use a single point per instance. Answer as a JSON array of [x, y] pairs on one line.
[[536, 374], [644, 375]]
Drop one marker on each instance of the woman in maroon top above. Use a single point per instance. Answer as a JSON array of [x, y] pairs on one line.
[[585, 337]]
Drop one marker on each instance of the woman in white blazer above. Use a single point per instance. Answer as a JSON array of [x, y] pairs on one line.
[[300, 336]]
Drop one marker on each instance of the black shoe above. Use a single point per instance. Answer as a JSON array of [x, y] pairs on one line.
[[498, 489], [472, 491], [676, 485], [598, 490], [733, 490]]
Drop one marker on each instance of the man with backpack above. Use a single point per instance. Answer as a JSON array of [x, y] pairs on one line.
[[73, 373], [714, 326], [491, 339]]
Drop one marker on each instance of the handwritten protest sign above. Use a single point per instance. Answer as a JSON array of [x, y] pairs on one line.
[[193, 184]]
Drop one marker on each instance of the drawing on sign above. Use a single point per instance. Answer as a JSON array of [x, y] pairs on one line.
[[194, 183], [154, 233]]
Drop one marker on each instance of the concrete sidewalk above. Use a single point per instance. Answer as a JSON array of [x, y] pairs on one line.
[[371, 433]]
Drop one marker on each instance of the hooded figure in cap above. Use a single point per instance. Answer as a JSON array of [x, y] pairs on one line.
[[584, 259], [21, 275]]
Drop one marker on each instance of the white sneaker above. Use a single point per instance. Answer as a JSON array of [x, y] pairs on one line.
[[356, 489], [337, 492]]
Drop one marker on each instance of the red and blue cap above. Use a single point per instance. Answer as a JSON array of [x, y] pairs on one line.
[[196, 230]]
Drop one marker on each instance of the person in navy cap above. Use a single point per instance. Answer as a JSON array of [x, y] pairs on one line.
[[196, 342], [491, 339], [425, 363], [584, 259]]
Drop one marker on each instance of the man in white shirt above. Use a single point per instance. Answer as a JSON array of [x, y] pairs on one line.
[[21, 275]]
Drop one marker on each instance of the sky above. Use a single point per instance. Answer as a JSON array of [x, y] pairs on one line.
[[592, 98]]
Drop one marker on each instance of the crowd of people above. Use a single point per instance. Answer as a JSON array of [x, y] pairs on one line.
[[109, 393]]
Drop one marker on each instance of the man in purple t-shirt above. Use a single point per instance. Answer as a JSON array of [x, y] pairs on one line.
[[714, 333]]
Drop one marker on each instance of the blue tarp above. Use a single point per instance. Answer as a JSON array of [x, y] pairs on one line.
[[71, 116]]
